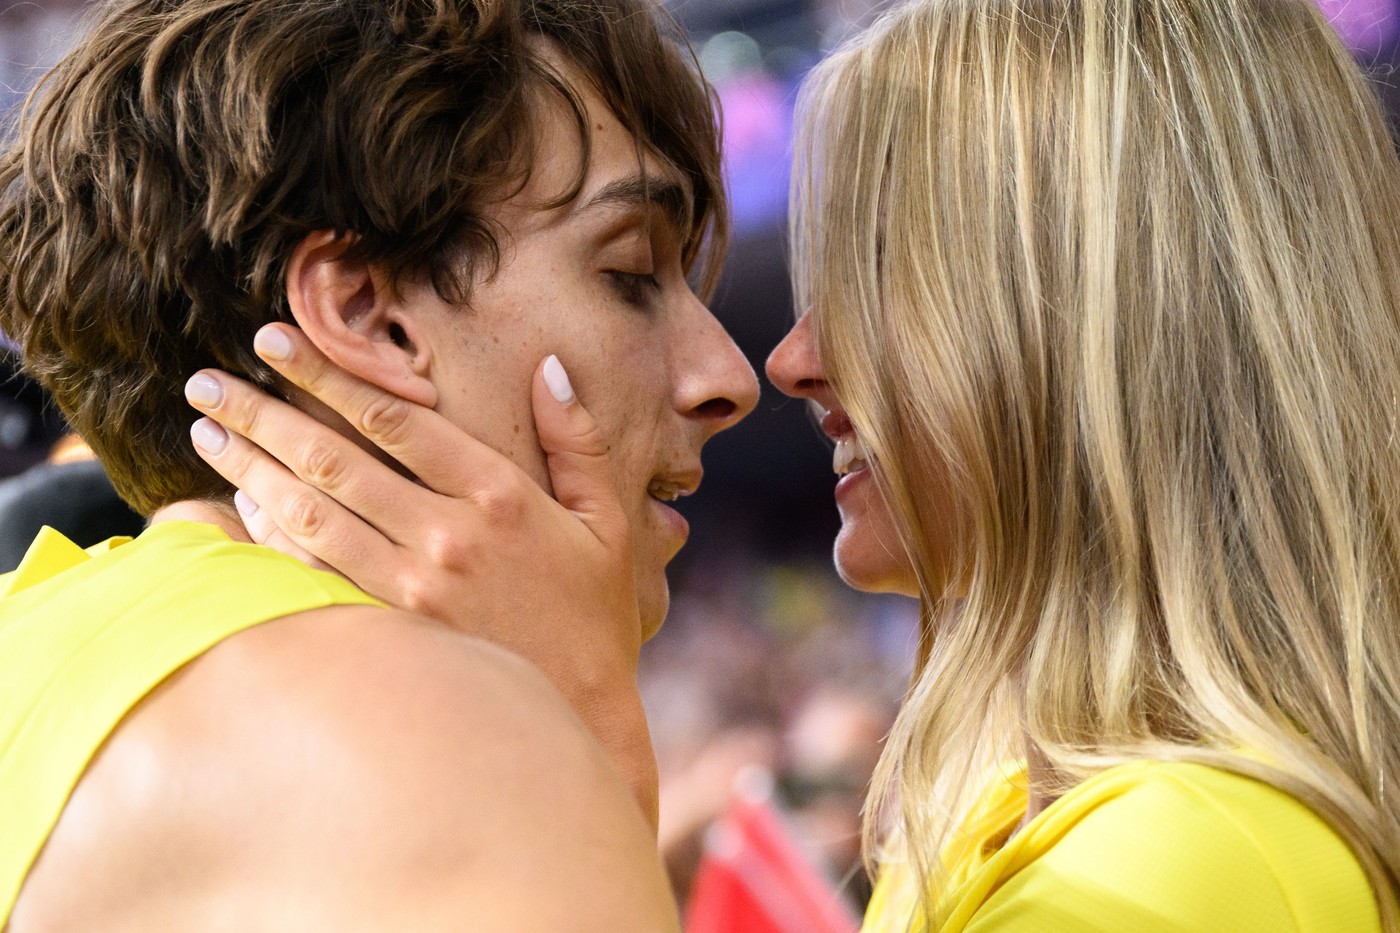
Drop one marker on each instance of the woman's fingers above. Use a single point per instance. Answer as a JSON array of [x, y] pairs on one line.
[[322, 497], [577, 453], [316, 453], [263, 530], [309, 518], [437, 452], [433, 449]]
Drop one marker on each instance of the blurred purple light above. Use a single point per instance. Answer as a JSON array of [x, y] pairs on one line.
[[757, 133], [1365, 25]]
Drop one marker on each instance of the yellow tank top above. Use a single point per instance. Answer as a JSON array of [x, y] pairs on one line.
[[85, 635], [1148, 847]]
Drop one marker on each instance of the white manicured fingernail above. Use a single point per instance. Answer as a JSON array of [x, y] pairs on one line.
[[558, 380], [245, 504], [209, 435], [204, 391], [272, 344]]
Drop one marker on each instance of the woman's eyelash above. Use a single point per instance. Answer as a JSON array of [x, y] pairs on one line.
[[634, 287]]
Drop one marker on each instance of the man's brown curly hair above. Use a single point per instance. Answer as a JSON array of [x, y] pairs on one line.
[[165, 170]]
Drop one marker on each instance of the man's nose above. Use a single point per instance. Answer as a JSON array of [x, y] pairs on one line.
[[793, 366], [718, 387]]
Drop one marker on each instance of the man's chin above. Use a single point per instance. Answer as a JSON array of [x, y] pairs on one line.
[[653, 606]]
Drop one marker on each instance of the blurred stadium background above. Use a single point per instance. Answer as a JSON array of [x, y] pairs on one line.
[[767, 659]]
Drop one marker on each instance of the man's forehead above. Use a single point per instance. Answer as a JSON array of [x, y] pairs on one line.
[[581, 147]]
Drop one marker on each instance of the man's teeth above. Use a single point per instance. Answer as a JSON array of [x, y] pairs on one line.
[[666, 492], [849, 455]]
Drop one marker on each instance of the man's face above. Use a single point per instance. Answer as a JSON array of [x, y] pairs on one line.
[[599, 283]]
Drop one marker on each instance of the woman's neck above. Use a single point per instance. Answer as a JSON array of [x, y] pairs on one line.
[[1039, 773]]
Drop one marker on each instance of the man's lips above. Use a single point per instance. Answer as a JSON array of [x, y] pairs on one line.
[[665, 487], [674, 520], [672, 485]]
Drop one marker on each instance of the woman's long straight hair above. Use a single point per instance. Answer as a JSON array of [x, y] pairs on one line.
[[1121, 275]]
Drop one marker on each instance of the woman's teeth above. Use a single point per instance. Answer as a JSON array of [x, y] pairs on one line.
[[849, 455]]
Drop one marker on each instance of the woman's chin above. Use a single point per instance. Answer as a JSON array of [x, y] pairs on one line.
[[873, 562]]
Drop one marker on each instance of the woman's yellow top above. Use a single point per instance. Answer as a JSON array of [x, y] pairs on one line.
[[85, 635], [1146, 847]]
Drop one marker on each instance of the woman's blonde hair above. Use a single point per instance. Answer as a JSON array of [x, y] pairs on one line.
[[1119, 276]]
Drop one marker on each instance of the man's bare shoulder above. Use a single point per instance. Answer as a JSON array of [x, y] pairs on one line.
[[354, 768]]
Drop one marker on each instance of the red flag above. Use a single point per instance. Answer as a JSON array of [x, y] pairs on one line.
[[755, 878]]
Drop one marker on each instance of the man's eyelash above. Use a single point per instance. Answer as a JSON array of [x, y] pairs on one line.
[[634, 287]]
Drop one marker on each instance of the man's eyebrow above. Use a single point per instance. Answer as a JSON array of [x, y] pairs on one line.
[[641, 191]]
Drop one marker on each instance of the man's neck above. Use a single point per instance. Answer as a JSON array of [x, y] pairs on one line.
[[221, 514]]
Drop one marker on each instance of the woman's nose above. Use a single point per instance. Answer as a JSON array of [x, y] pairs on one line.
[[793, 366]]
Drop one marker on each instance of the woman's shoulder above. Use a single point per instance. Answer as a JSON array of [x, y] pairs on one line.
[[1178, 846]]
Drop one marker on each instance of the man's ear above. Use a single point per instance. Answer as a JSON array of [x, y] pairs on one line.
[[347, 308]]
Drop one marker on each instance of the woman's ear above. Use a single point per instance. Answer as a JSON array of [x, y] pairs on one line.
[[347, 308]]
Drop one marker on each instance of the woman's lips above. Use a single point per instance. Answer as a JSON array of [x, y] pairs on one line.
[[848, 483], [835, 423]]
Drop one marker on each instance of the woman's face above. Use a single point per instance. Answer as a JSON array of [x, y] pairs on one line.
[[868, 552]]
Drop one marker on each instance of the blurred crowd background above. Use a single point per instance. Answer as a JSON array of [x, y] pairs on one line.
[[767, 664]]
